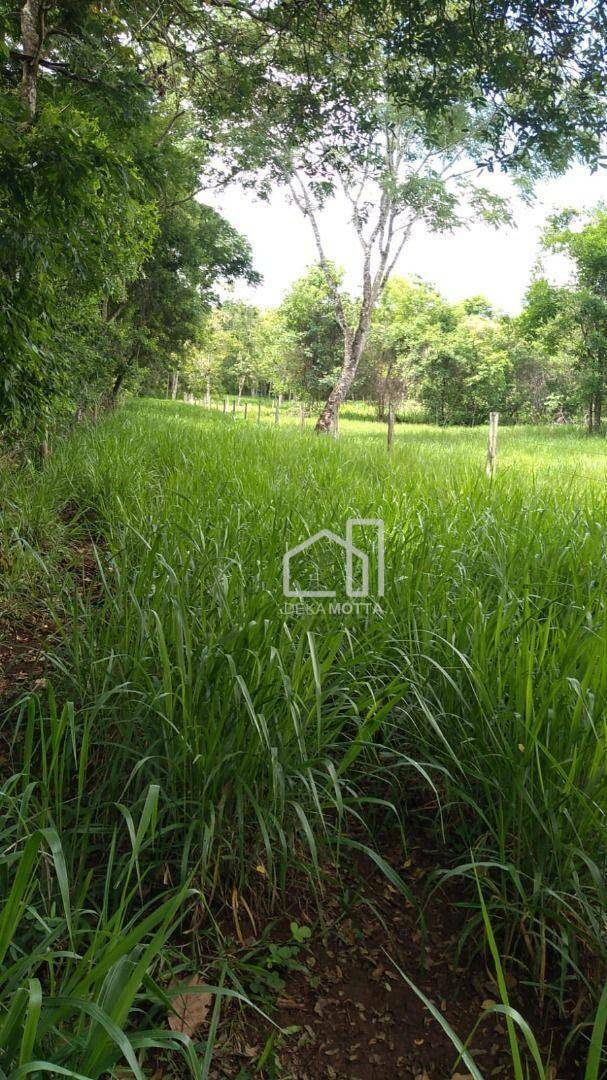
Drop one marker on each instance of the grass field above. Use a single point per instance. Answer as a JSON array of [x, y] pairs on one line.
[[539, 449], [195, 735]]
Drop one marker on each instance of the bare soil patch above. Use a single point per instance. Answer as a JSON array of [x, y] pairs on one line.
[[26, 636], [348, 1011]]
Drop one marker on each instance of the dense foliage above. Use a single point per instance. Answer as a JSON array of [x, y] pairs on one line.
[[566, 325], [107, 261]]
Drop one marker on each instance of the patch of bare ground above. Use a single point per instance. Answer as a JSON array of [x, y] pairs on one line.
[[22, 646], [350, 1014], [26, 636]]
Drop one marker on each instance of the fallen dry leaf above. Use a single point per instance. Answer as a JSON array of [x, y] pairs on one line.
[[191, 1008]]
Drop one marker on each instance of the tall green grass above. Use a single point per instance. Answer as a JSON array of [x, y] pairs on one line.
[[197, 741]]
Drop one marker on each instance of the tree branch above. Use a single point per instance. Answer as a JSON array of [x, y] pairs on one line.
[[304, 203]]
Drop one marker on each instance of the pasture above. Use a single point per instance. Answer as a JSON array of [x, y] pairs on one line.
[[193, 744]]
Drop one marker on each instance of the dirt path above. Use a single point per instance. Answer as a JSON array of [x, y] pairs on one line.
[[350, 1013], [25, 637]]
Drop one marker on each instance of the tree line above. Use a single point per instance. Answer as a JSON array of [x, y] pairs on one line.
[[116, 118], [449, 363]]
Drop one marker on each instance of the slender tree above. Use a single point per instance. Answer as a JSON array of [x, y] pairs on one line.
[[407, 173]]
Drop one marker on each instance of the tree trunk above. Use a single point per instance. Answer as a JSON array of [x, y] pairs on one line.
[[173, 384], [354, 346], [31, 45], [353, 350], [598, 411], [43, 449], [118, 381], [241, 382]]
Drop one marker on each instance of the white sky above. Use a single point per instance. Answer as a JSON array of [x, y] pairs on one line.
[[479, 259]]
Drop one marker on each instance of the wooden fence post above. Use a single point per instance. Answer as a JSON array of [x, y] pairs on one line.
[[234, 407], [302, 414], [246, 408], [258, 411], [225, 405], [492, 445], [390, 426], [43, 448], [277, 410]]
